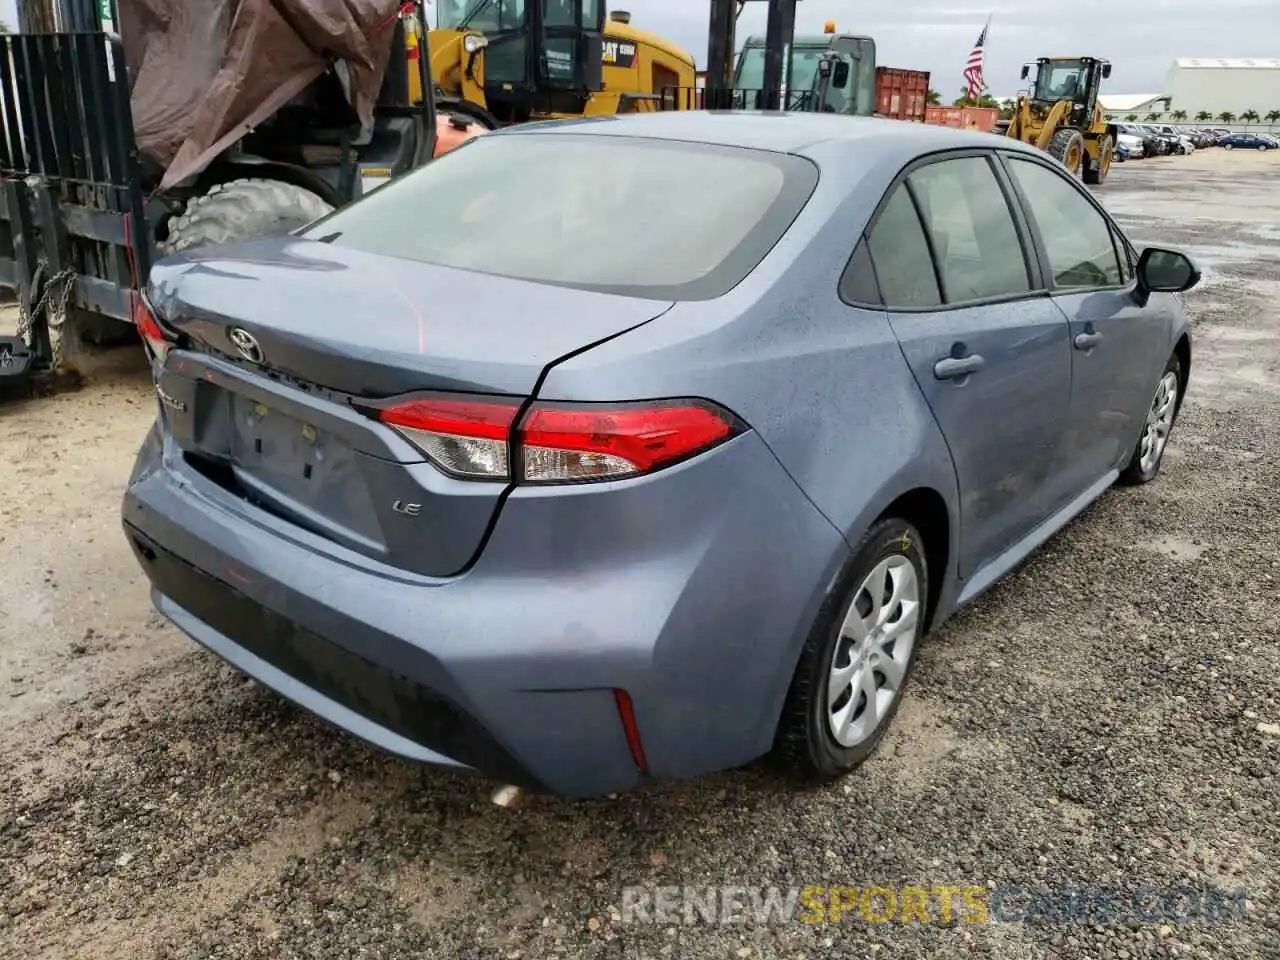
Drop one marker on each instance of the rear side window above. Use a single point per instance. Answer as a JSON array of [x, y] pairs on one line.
[[900, 255], [639, 217], [975, 243]]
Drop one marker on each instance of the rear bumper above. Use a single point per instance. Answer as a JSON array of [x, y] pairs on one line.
[[694, 602]]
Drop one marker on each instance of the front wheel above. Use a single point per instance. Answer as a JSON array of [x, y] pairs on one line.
[[1228, 146], [849, 681], [1262, 146], [1067, 146], [1144, 465]]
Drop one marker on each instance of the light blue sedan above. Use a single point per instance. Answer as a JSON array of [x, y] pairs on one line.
[[605, 451]]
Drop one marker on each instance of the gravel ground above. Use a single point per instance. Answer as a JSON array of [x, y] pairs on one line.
[[1106, 716]]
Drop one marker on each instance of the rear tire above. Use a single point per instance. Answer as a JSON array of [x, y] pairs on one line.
[[807, 745], [1106, 153], [1068, 147], [243, 210]]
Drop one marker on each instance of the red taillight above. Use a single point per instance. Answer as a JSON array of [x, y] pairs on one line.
[[589, 442], [467, 437], [473, 437], [153, 336]]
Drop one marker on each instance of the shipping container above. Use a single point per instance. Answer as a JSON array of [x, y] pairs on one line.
[[982, 119], [902, 94]]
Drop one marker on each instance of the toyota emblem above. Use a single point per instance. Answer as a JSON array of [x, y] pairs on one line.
[[246, 343]]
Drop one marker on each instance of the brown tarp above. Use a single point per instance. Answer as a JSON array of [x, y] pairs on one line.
[[206, 72]]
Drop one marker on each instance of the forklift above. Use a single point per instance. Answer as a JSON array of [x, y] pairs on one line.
[[85, 210]]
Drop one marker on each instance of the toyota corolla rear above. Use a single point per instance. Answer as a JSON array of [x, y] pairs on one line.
[[357, 493]]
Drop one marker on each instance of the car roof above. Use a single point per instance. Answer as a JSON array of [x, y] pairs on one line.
[[776, 131]]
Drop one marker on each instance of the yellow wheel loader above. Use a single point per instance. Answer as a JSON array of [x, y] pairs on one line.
[[509, 61], [1060, 114]]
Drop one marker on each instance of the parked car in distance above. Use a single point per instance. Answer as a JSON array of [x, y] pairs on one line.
[[1129, 146], [1152, 144], [1246, 141], [501, 471]]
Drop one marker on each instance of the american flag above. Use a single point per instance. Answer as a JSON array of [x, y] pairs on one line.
[[973, 69]]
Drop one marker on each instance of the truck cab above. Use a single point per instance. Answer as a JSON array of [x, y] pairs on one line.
[[850, 88]]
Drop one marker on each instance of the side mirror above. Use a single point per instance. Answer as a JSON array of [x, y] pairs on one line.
[[841, 78], [1106, 70], [1026, 70], [1165, 271]]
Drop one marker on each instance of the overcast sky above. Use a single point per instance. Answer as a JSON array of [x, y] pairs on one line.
[[1140, 37]]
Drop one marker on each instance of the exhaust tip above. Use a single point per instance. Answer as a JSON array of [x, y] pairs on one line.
[[506, 797]]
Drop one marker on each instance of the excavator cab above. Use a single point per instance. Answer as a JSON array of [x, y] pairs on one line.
[[540, 56], [1076, 79], [1060, 114]]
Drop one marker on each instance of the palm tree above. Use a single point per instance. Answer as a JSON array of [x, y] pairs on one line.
[[1179, 115], [1273, 116], [1226, 116], [1250, 116], [1132, 118], [933, 97], [1203, 116], [1152, 117]]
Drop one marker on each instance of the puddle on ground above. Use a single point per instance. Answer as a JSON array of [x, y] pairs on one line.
[[1176, 547]]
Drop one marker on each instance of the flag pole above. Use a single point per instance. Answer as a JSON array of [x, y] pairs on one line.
[[986, 32]]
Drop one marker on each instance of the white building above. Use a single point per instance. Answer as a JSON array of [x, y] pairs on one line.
[[1216, 86], [1117, 106]]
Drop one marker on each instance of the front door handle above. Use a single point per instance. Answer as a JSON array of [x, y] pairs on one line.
[[1087, 341], [953, 368]]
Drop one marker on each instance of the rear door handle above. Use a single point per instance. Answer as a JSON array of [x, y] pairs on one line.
[[1087, 341], [953, 368]]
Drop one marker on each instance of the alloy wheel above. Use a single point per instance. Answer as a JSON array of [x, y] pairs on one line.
[[1159, 422], [873, 651]]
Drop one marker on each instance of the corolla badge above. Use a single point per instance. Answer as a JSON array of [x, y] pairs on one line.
[[173, 403], [246, 343]]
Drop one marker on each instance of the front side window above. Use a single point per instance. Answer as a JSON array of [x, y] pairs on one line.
[[975, 242], [571, 209], [1076, 237]]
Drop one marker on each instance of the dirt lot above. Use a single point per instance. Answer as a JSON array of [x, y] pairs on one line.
[[1108, 716]]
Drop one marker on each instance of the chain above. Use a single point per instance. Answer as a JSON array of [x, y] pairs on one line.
[[54, 295]]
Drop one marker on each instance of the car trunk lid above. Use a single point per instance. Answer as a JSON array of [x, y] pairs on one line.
[[282, 425]]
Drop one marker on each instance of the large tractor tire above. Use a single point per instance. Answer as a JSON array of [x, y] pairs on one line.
[[1106, 152], [1068, 147], [243, 210]]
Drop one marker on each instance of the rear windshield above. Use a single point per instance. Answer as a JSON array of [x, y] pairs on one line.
[[639, 217]]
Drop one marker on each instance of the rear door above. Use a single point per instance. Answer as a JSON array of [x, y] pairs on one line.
[[987, 347], [1118, 348]]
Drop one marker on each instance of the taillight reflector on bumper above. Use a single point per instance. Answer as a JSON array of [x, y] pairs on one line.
[[478, 438]]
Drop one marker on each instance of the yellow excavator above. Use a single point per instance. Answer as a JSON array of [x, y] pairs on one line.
[[1060, 114], [510, 61]]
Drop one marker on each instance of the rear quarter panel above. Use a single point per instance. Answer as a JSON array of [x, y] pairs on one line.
[[824, 384]]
